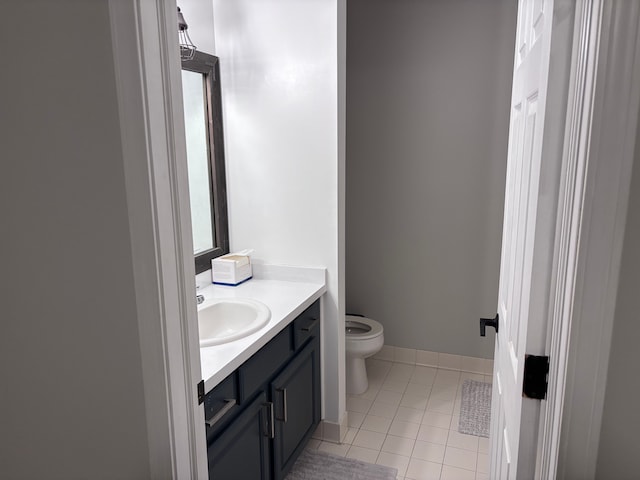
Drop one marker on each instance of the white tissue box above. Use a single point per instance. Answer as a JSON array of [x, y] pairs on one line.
[[231, 269]]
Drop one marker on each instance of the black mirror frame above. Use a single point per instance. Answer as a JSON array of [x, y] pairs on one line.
[[209, 67]]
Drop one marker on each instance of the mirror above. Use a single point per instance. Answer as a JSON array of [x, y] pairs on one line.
[[205, 158]]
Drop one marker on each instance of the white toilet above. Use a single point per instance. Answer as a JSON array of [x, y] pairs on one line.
[[363, 338]]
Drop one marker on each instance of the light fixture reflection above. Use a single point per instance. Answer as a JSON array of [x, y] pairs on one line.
[[187, 48]]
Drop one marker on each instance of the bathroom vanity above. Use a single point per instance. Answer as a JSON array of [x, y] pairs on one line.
[[260, 417], [266, 401]]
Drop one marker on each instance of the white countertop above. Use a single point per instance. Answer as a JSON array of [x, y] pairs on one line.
[[287, 291]]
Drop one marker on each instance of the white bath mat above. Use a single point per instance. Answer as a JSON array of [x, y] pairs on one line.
[[475, 410], [317, 465]]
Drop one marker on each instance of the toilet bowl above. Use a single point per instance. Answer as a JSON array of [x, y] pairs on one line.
[[363, 338]]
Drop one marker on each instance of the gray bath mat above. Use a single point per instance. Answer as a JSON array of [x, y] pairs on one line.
[[316, 465], [475, 410]]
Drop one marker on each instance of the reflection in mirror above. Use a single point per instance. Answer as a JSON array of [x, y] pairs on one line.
[[205, 158], [195, 117]]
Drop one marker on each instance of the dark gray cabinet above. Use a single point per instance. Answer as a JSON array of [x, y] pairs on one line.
[[261, 416], [295, 394], [242, 450]]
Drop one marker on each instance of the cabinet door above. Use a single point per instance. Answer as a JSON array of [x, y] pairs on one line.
[[296, 397], [242, 450]]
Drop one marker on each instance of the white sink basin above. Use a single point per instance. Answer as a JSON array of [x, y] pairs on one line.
[[229, 319]]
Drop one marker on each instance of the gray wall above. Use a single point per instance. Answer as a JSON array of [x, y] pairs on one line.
[[428, 90], [71, 395], [619, 450]]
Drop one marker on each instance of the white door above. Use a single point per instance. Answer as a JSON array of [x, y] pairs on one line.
[[514, 419]]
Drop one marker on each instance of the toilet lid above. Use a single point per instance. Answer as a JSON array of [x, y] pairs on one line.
[[361, 327]]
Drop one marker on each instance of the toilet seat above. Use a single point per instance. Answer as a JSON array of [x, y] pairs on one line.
[[374, 329], [364, 338]]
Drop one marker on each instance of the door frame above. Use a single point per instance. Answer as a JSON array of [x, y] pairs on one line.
[[149, 89], [603, 100], [597, 158]]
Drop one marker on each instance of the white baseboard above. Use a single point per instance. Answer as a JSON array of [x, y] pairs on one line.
[[426, 358], [331, 431]]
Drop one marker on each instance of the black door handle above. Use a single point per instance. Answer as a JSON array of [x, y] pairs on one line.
[[488, 322]]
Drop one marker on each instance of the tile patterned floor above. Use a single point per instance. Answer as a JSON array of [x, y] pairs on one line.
[[408, 419]]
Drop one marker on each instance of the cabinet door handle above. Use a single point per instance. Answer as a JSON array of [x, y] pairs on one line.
[[311, 326], [223, 411], [284, 404], [271, 426]]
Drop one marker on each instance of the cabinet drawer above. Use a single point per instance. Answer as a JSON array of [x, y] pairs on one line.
[[306, 325], [263, 364], [220, 402]]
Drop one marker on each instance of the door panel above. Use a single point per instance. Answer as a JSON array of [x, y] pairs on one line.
[[512, 444]]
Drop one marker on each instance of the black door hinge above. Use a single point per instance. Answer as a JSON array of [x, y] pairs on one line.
[[200, 392], [536, 370]]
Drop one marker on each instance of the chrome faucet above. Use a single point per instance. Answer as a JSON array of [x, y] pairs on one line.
[[199, 299]]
